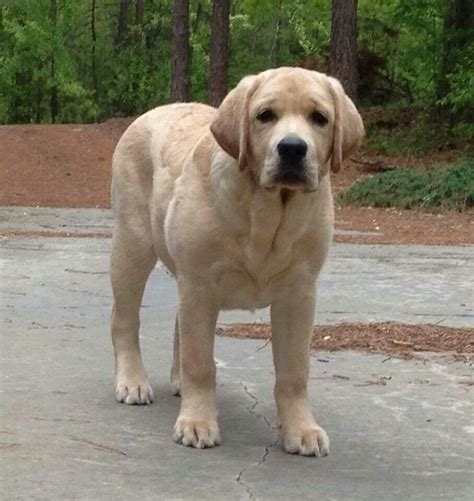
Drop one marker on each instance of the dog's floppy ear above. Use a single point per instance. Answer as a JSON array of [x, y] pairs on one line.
[[348, 127], [231, 125]]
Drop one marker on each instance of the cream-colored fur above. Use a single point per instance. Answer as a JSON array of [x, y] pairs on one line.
[[197, 188]]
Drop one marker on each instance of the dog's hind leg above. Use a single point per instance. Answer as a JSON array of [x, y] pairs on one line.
[[131, 264]]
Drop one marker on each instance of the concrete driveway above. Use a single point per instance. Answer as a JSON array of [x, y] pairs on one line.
[[398, 429]]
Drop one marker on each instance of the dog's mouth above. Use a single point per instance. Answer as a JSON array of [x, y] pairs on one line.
[[292, 176]]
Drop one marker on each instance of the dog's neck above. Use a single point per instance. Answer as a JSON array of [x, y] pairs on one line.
[[265, 222]]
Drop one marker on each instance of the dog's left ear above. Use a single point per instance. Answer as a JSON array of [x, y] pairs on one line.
[[231, 125], [348, 127]]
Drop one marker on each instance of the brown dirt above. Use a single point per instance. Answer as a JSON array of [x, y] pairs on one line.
[[58, 165], [395, 340], [397, 226], [70, 166]]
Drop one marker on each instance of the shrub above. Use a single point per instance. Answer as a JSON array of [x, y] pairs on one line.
[[446, 188]]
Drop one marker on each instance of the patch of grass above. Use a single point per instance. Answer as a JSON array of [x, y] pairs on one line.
[[436, 188]]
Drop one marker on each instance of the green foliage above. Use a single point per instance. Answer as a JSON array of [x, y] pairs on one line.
[[461, 82], [401, 45], [399, 129], [268, 33], [449, 188], [404, 39]]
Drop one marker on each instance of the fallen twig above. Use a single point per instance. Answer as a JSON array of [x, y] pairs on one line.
[[402, 343]]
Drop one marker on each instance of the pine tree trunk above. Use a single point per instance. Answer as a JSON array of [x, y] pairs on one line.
[[458, 26], [93, 52], [137, 38], [219, 54], [343, 50], [180, 52], [54, 88], [39, 98], [122, 23]]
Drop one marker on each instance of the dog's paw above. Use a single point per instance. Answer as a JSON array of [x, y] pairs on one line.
[[306, 441], [196, 433], [133, 391]]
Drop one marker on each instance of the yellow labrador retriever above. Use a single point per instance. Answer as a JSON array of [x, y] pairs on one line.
[[236, 202]]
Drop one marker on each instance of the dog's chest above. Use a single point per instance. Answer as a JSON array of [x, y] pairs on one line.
[[249, 277], [236, 288], [255, 264]]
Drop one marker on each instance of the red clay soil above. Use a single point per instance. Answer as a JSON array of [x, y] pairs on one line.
[[396, 340], [58, 165], [405, 226], [70, 166]]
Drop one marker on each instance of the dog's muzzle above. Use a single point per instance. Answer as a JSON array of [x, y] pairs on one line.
[[291, 170]]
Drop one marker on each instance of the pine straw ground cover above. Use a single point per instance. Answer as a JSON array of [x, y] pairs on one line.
[[397, 340]]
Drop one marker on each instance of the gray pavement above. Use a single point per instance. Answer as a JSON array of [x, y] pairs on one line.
[[99, 221], [47, 219], [398, 429]]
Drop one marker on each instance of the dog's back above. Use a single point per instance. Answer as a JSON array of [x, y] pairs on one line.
[[161, 138]]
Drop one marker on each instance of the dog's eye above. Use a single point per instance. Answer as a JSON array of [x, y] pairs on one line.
[[318, 118], [266, 116]]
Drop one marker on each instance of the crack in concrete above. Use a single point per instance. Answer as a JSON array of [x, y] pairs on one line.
[[247, 488], [86, 272], [252, 396], [96, 445], [266, 451], [239, 479], [255, 403]]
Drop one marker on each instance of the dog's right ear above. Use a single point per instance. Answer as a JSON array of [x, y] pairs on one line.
[[231, 125], [348, 126]]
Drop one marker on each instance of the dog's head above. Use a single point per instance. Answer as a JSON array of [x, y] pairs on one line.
[[288, 125]]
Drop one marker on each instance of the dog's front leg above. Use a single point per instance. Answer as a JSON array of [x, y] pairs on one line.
[[196, 425], [292, 318]]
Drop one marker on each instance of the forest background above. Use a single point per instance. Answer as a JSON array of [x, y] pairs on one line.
[[89, 60], [407, 64]]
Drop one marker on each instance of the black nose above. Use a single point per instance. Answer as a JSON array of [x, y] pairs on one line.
[[292, 148]]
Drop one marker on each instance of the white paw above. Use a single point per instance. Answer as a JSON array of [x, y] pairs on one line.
[[134, 391], [197, 433], [307, 441]]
